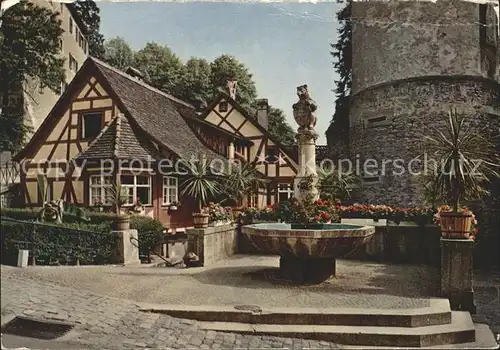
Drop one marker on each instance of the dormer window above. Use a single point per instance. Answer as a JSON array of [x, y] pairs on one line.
[[92, 125], [223, 106]]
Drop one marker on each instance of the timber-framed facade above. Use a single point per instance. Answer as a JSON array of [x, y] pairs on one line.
[[107, 119]]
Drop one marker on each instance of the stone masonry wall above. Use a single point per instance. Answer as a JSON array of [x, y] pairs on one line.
[[394, 40], [413, 108], [213, 244]]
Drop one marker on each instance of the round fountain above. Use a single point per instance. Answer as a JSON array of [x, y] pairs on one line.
[[307, 252]]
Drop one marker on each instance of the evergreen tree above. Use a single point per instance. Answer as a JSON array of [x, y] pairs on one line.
[[29, 48], [343, 66], [88, 12]]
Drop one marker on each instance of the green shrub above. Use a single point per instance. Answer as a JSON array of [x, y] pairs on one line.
[[150, 233], [59, 244]]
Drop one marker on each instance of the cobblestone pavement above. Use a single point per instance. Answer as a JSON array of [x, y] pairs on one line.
[[111, 323], [252, 280], [487, 297]]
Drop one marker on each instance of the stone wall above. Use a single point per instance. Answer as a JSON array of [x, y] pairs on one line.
[[413, 109], [405, 243], [213, 244], [395, 40]]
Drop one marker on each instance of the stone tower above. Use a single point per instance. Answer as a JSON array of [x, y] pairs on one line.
[[412, 62]]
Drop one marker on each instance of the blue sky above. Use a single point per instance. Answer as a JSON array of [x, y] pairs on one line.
[[283, 45]]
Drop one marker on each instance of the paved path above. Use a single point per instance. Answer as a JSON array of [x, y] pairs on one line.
[[251, 280], [110, 323], [102, 301]]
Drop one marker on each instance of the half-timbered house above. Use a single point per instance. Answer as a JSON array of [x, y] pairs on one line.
[[110, 123]]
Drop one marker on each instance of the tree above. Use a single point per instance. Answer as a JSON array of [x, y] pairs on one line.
[[279, 128], [118, 53], [162, 68], [195, 82], [29, 48], [343, 66], [88, 12], [226, 68]]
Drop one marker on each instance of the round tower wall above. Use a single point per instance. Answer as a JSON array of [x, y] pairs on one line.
[[394, 40], [390, 122]]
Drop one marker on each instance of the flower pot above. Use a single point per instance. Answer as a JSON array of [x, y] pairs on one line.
[[455, 225], [200, 220], [122, 223]]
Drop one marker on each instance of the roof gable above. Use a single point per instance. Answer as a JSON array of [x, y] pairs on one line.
[[154, 112], [223, 96]]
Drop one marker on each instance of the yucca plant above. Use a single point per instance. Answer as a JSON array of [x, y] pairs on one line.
[[118, 196], [240, 180], [201, 180], [466, 160]]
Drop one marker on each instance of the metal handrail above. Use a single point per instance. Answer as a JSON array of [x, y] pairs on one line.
[[169, 264]]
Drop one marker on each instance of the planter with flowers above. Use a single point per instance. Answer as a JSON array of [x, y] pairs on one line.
[[310, 214], [138, 207], [467, 162], [464, 225], [218, 215]]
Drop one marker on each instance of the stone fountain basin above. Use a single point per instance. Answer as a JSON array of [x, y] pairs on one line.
[[333, 241]]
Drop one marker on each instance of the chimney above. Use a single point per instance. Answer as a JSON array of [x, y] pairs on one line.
[[134, 72], [263, 112], [232, 84]]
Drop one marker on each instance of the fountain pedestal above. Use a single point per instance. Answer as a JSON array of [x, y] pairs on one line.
[[306, 139], [307, 270]]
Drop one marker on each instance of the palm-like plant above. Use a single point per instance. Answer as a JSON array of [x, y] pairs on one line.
[[334, 184], [467, 161], [240, 180], [118, 196], [201, 180]]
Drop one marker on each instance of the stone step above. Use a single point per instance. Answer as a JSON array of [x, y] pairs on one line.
[[437, 313], [460, 330]]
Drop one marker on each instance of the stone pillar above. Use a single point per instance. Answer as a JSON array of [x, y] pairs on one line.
[[457, 273], [22, 258], [307, 163], [127, 251]]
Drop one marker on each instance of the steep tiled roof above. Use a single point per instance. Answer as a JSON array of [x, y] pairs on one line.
[[154, 112], [119, 141]]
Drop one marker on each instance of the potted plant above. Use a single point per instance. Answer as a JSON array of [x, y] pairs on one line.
[[218, 215], [467, 161], [201, 183], [118, 197]]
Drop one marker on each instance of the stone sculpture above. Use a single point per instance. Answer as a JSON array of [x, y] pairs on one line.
[[304, 110]]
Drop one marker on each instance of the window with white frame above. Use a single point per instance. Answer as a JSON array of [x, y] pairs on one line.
[[100, 190], [170, 190], [138, 189], [285, 192]]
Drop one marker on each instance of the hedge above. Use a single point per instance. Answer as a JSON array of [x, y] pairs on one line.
[[149, 230], [61, 244]]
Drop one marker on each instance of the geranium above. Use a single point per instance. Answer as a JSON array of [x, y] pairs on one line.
[[217, 212]]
